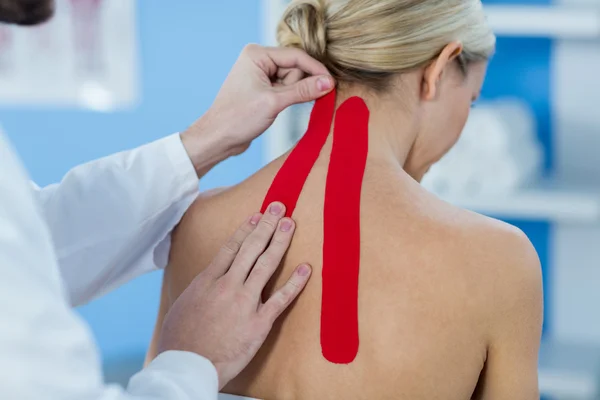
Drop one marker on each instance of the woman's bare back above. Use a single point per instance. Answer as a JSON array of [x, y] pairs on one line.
[[431, 289]]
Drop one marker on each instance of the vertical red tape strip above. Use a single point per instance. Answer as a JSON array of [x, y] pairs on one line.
[[341, 232], [292, 175]]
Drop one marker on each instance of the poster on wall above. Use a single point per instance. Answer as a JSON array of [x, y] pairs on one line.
[[86, 56]]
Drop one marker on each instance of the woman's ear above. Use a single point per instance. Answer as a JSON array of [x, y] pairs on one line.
[[434, 71]]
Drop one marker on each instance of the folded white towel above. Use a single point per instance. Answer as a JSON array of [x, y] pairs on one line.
[[497, 153]]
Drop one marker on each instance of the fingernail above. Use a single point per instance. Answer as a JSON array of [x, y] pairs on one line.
[[286, 225], [323, 84], [255, 218], [275, 208], [303, 270]]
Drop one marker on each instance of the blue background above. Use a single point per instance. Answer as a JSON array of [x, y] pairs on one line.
[[186, 53]]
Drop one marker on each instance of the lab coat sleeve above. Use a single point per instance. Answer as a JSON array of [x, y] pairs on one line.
[[47, 351], [111, 219]]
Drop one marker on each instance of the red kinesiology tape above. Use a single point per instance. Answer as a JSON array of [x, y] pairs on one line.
[[341, 219], [341, 232], [289, 181]]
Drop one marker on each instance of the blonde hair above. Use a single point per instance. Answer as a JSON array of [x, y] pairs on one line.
[[368, 41]]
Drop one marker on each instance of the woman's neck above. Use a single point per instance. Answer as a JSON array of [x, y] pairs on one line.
[[392, 133]]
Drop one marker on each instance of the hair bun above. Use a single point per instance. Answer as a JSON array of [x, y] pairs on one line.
[[303, 26]]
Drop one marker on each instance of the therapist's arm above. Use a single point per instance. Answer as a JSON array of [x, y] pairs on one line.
[[47, 350], [111, 219]]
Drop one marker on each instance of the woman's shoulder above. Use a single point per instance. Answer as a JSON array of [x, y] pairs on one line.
[[492, 247], [492, 242], [501, 259]]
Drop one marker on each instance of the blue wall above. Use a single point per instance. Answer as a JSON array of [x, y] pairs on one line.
[[186, 52]]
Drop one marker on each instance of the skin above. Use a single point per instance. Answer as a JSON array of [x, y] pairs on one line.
[[450, 302]]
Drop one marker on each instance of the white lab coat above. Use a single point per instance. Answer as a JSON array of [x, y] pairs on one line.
[[107, 222]]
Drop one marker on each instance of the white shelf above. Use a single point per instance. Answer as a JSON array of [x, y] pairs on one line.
[[549, 202], [545, 21]]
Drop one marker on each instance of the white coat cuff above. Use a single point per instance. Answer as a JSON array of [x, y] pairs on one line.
[[177, 375], [187, 184], [182, 165]]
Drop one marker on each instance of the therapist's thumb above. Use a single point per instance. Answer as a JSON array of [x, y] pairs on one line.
[[308, 89]]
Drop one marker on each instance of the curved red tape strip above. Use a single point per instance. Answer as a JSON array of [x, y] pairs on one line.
[[290, 179]]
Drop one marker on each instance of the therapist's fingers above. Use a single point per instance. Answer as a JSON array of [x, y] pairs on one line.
[[270, 260], [228, 319], [288, 57], [282, 298], [289, 76], [256, 243], [228, 252], [305, 90]]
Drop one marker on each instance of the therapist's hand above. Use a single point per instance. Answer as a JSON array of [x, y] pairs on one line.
[[221, 315], [263, 82]]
